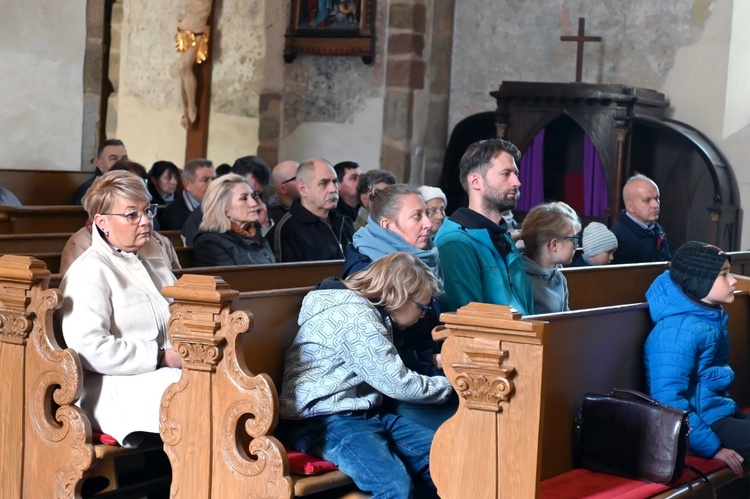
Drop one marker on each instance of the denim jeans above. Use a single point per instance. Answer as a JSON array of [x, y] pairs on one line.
[[385, 454], [429, 415]]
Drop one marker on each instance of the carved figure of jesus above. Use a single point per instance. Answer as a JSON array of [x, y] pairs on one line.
[[192, 47]]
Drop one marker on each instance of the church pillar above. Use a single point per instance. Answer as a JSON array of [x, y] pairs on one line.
[[272, 95], [440, 57], [269, 129], [95, 64], [405, 73]]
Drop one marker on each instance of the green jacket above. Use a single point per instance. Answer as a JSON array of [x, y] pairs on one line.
[[474, 270]]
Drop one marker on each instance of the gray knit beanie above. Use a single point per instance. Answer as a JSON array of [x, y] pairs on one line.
[[597, 238]]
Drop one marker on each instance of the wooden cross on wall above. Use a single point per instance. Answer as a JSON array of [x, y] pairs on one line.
[[580, 39]]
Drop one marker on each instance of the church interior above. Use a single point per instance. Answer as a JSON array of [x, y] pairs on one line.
[[113, 72], [591, 93]]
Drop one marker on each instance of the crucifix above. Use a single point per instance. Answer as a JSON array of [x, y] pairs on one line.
[[193, 43], [580, 40]]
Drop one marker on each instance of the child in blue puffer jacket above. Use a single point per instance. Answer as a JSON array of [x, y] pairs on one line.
[[687, 351]]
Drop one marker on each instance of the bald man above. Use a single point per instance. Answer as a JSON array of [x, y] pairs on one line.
[[640, 238], [285, 187]]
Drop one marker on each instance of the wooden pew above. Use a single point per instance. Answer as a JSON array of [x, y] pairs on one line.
[[603, 285], [174, 236], [216, 411], [218, 366], [52, 242], [274, 276], [740, 262], [44, 187], [521, 383], [40, 219], [46, 445]]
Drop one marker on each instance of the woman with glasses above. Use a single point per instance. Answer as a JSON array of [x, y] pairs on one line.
[[343, 364], [228, 234], [81, 240], [550, 236], [114, 315]]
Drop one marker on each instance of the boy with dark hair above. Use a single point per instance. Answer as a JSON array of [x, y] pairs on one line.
[[687, 351]]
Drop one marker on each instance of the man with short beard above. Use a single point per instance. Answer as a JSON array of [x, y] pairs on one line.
[[480, 260], [312, 230]]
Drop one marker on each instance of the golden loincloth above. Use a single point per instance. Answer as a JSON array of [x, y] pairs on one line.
[[185, 39]]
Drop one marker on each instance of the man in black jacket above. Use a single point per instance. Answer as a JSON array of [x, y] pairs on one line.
[[640, 238], [110, 152], [312, 230]]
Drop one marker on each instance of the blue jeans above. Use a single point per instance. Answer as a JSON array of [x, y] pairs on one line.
[[385, 454]]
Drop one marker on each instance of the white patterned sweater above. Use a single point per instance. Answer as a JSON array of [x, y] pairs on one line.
[[343, 359]]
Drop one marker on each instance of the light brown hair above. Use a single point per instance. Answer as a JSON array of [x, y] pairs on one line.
[[393, 280]]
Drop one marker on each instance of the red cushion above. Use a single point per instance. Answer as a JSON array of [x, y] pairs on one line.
[[580, 483], [705, 465], [302, 464], [103, 438]]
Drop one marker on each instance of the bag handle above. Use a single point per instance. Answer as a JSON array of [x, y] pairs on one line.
[[628, 394]]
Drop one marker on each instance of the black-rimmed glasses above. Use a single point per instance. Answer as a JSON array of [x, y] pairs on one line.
[[424, 308], [134, 217], [576, 239], [288, 180]]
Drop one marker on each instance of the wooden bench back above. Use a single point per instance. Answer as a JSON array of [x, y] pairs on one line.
[[44, 187], [275, 276], [521, 383], [41, 219], [275, 314], [604, 285]]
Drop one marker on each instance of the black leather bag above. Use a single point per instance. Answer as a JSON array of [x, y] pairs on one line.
[[629, 434]]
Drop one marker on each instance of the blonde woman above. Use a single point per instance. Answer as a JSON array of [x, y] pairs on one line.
[[550, 236], [114, 315], [343, 363], [228, 234]]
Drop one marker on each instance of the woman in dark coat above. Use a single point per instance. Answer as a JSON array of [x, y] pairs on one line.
[[228, 234]]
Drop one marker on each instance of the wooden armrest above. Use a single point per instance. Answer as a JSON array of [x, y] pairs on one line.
[[306, 485], [102, 451], [719, 478]]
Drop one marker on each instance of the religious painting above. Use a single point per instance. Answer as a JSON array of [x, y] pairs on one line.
[[331, 27]]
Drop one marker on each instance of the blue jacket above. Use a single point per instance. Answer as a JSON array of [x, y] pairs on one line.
[[686, 361], [474, 270]]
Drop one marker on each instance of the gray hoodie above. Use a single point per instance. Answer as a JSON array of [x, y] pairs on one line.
[[549, 286]]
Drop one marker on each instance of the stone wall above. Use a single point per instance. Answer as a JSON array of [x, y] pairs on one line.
[[688, 49], [41, 105]]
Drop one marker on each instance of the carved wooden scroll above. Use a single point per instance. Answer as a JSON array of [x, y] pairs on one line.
[[490, 448], [42, 429], [219, 409]]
